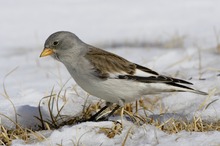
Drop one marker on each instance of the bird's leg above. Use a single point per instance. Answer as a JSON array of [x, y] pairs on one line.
[[113, 111], [93, 118], [110, 114]]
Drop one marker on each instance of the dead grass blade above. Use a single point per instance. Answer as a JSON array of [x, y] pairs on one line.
[[126, 137], [6, 95]]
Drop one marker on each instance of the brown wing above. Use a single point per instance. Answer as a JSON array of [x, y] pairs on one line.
[[154, 79], [105, 62], [147, 70]]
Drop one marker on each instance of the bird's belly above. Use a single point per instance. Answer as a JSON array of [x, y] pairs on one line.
[[112, 90]]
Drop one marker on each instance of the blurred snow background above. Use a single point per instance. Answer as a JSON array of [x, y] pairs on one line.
[[152, 26]]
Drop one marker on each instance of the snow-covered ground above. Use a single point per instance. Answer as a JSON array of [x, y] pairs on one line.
[[27, 78]]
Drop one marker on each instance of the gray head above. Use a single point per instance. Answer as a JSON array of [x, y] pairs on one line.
[[62, 43]]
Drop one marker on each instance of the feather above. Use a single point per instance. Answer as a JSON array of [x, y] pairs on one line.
[[107, 65]]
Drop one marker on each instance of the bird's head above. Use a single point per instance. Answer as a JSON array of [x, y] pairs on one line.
[[60, 44]]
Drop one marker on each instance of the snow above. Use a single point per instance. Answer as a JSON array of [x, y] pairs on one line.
[[27, 78], [145, 135]]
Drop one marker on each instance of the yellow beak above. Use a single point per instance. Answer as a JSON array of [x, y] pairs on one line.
[[46, 52]]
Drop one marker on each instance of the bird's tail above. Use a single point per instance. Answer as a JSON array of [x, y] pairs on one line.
[[183, 88], [198, 92]]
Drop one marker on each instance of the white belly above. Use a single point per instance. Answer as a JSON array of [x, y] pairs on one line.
[[111, 90], [116, 90]]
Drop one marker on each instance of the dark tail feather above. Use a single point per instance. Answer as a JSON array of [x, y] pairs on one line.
[[187, 89]]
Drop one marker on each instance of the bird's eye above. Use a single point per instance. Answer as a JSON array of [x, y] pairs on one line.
[[55, 43]]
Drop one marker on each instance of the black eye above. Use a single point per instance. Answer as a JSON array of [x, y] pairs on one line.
[[55, 43]]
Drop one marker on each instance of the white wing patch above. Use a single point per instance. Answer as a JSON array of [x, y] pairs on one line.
[[116, 74], [138, 72], [141, 73]]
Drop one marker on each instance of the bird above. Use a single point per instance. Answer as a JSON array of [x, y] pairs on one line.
[[106, 75]]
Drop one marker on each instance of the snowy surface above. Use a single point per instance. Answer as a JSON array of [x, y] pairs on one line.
[[27, 79]]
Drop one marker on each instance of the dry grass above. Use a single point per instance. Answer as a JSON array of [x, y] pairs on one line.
[[170, 126], [27, 135], [131, 110], [116, 129], [197, 125]]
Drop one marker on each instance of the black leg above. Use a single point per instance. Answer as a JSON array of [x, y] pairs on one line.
[[109, 115], [93, 118]]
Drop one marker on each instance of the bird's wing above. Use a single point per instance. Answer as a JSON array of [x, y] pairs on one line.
[[108, 65], [142, 75]]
